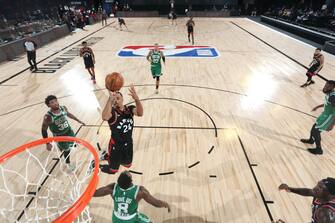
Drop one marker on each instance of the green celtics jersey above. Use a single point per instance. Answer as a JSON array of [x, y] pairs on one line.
[[329, 108], [325, 121], [156, 58], [125, 204], [59, 124]]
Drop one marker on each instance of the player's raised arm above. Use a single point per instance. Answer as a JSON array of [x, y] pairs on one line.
[[107, 112], [138, 110]]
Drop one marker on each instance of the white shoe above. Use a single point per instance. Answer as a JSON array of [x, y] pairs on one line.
[[71, 167], [156, 91], [91, 168], [102, 155]]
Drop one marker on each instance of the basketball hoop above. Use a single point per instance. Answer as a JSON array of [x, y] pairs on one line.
[[64, 198]]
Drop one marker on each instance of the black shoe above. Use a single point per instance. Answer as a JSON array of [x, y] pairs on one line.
[[308, 141], [304, 85], [316, 151], [105, 168], [312, 82]]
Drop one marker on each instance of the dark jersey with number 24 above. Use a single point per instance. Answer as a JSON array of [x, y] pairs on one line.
[[121, 124]]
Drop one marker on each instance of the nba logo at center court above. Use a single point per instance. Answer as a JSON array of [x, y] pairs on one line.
[[170, 51]]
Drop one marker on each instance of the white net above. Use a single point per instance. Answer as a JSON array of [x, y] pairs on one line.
[[38, 185]]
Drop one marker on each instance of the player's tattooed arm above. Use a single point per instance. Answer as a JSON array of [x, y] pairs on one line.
[[145, 194], [163, 57], [301, 191], [107, 112], [45, 126], [149, 56], [325, 215], [322, 61], [70, 115], [103, 191], [138, 110], [93, 56]]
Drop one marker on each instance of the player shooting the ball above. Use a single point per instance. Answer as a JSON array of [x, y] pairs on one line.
[[121, 123]]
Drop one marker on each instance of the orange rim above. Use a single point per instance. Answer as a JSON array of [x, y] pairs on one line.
[[70, 214]]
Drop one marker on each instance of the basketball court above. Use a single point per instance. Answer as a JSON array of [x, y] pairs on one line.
[[215, 143]]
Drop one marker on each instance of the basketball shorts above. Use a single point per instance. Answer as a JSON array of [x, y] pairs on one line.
[[140, 218], [119, 154], [64, 146], [190, 29], [156, 71], [88, 62], [325, 122], [311, 71]]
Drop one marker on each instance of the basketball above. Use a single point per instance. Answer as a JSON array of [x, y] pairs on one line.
[[114, 81]]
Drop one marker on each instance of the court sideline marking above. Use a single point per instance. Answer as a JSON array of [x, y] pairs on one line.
[[276, 49]]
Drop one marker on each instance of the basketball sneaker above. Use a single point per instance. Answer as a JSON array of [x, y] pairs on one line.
[[71, 167], [91, 168], [103, 155]]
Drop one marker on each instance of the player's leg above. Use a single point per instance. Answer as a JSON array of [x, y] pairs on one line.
[[188, 36], [89, 71], [157, 84], [113, 158], [29, 57], [66, 148], [93, 74], [316, 134], [310, 140], [127, 157], [309, 79], [34, 59], [192, 35]]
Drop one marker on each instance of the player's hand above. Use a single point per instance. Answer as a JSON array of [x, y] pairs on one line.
[[168, 207], [284, 187], [112, 94], [49, 146], [278, 221], [133, 93]]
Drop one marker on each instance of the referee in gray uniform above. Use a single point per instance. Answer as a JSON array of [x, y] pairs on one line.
[[30, 46]]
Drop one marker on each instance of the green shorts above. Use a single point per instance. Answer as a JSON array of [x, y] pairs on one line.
[[324, 122], [140, 218], [64, 146], [156, 71]]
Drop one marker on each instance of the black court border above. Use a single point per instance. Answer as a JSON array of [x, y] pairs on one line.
[[53, 54]]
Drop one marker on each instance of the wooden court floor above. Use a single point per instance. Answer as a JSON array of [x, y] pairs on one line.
[[227, 129]]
